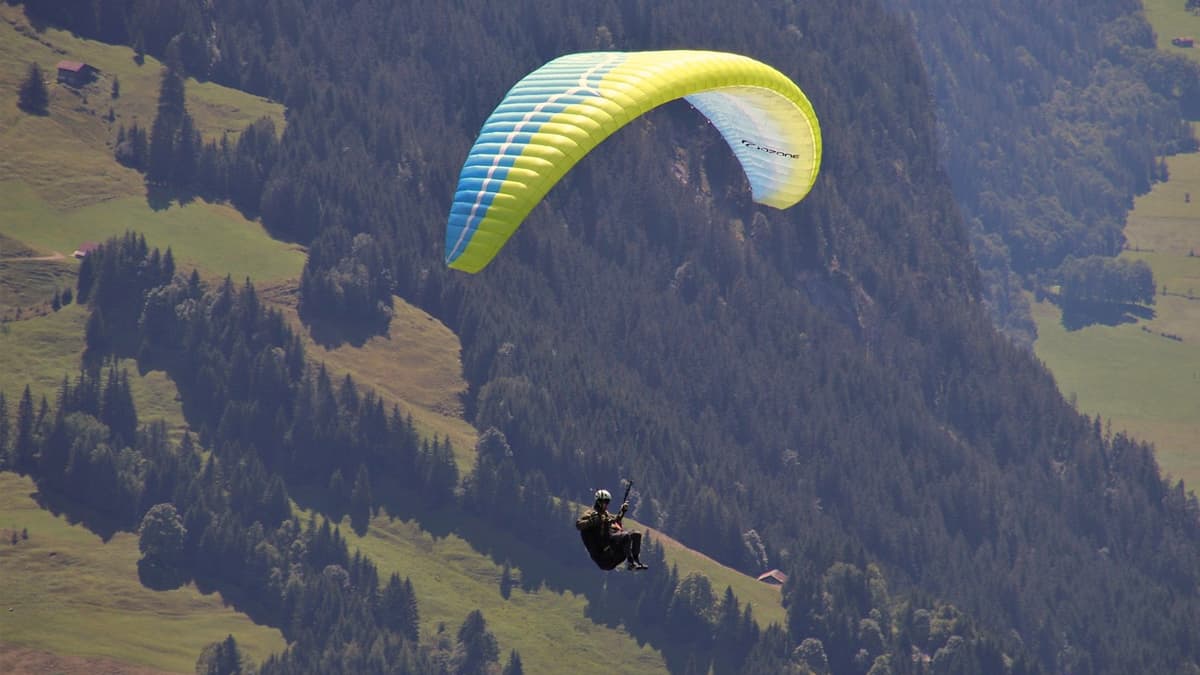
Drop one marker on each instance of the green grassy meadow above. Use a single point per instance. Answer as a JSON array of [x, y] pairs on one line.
[[59, 184], [11, 249], [766, 599], [66, 156], [214, 238], [452, 577], [75, 594], [26, 283]]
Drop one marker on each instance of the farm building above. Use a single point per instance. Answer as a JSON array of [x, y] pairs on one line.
[[773, 577], [85, 248], [1183, 42], [76, 73]]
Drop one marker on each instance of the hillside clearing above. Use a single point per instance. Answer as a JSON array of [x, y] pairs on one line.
[[414, 365], [66, 157], [214, 238], [15, 660], [73, 593], [452, 578]]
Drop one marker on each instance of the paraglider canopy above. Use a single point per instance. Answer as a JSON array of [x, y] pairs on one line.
[[555, 115]]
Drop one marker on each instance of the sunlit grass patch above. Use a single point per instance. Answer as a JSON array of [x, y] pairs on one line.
[[31, 284], [66, 157], [215, 238], [73, 593]]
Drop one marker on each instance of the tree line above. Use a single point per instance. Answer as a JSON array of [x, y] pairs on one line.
[[225, 519], [1106, 280]]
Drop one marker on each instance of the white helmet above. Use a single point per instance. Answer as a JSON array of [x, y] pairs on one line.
[[603, 496]]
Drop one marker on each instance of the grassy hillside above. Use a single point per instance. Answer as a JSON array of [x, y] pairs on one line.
[[453, 575], [59, 186], [415, 365], [1131, 373], [72, 593], [452, 578], [215, 238], [65, 156], [29, 284], [765, 598]]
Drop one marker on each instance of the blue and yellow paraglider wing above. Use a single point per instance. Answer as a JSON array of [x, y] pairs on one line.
[[557, 114]]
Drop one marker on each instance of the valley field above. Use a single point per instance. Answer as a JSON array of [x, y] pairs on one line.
[[1144, 375]]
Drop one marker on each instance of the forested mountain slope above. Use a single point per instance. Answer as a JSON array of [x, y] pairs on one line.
[[1052, 117], [818, 389]]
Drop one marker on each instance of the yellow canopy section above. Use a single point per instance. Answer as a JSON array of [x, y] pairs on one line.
[[555, 115]]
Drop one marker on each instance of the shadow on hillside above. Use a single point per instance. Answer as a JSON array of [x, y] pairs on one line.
[[547, 565], [333, 333], [158, 577], [552, 561], [1077, 315], [159, 198], [541, 567], [102, 524]]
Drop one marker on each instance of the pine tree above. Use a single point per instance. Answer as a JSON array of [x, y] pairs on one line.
[[161, 152], [139, 148], [33, 97], [172, 102], [172, 109], [23, 446], [513, 667], [220, 658], [506, 582], [439, 471], [117, 408], [186, 153], [86, 278], [360, 500], [3, 431], [168, 266], [398, 608], [730, 636], [477, 649], [56, 450], [95, 333]]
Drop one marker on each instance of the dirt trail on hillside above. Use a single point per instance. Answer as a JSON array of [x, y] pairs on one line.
[[20, 660], [43, 258]]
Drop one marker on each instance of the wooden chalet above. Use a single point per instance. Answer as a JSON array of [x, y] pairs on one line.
[[773, 577], [76, 73], [85, 249]]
